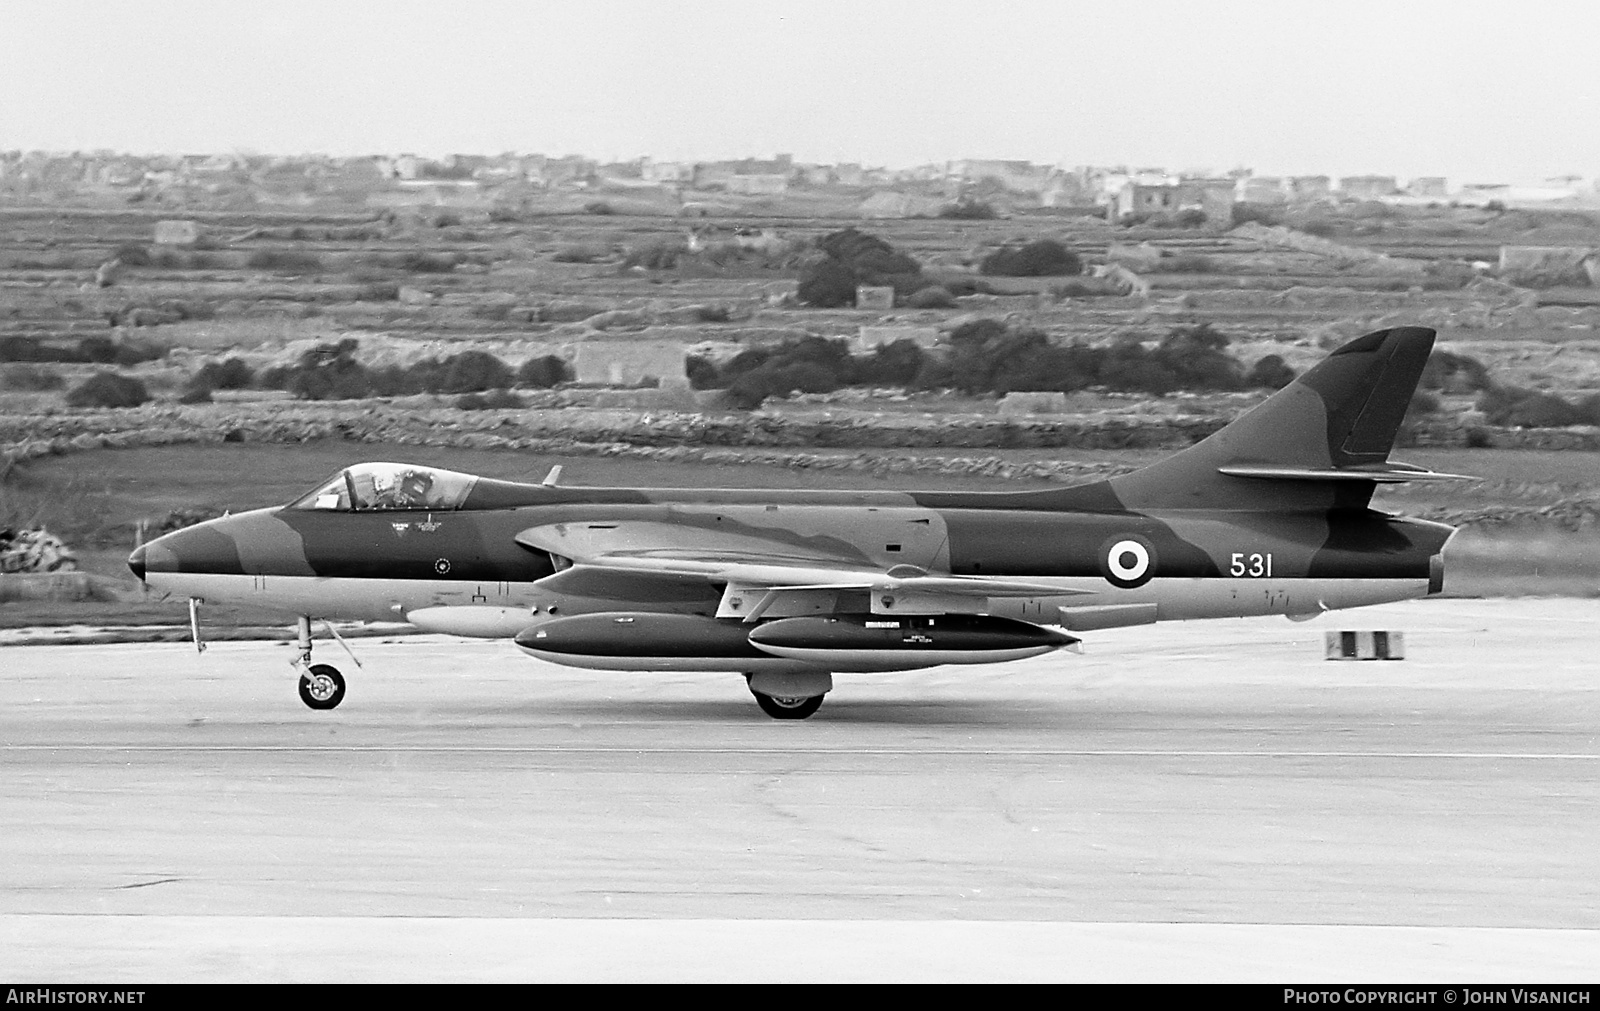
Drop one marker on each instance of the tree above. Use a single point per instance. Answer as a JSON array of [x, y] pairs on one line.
[[1042, 258], [108, 389], [852, 258]]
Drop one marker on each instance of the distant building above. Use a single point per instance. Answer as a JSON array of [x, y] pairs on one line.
[[1144, 198], [813, 175], [666, 171], [1261, 190], [1428, 186], [1017, 176], [1213, 197], [1367, 187], [757, 185], [1309, 187]]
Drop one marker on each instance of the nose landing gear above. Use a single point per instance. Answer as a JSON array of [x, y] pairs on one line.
[[321, 685]]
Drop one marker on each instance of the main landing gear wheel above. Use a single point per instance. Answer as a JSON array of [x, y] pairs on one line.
[[786, 707], [321, 686]]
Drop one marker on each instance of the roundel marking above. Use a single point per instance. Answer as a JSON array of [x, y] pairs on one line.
[[442, 566], [1128, 561]]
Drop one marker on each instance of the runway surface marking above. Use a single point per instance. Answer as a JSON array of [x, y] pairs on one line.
[[434, 749]]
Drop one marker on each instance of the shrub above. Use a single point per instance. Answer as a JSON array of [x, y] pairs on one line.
[[598, 207], [24, 349], [829, 284], [505, 214], [231, 374], [851, 258], [195, 391], [1454, 373], [133, 254], [329, 372], [1422, 402], [1042, 258], [32, 378], [810, 364], [543, 372], [1270, 372], [1261, 214], [1198, 355], [108, 389], [1190, 217], [968, 209], [1519, 408], [474, 372], [896, 364], [702, 373], [99, 349], [931, 297], [773, 379], [285, 261]]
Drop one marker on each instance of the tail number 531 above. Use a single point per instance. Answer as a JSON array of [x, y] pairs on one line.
[[1255, 566]]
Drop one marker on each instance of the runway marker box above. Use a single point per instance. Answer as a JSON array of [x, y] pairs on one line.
[[1366, 646]]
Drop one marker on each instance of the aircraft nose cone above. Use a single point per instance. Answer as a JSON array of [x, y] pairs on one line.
[[136, 562]]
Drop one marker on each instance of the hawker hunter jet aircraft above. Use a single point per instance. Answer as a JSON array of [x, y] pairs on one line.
[[1270, 515]]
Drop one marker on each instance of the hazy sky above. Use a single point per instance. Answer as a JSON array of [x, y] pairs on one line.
[[1473, 90]]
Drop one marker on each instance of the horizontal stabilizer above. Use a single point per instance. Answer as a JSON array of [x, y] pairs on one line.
[[1391, 474]]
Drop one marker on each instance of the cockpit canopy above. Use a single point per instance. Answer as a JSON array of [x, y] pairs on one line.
[[374, 486]]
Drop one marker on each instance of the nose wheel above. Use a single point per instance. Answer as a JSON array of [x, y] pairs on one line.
[[321, 686]]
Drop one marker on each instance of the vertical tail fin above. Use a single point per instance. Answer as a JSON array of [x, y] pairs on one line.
[[1323, 441]]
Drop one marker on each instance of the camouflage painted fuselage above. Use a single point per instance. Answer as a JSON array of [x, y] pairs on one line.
[[1268, 516], [1201, 562]]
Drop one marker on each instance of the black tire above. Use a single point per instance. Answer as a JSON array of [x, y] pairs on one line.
[[322, 686], [784, 708]]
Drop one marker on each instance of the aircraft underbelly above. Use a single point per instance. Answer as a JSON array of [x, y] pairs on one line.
[[1178, 599], [343, 597], [393, 599]]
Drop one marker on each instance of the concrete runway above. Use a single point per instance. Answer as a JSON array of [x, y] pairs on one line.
[[1206, 800]]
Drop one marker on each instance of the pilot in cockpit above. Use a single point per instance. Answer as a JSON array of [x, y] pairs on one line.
[[410, 490]]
